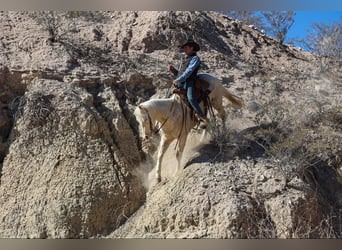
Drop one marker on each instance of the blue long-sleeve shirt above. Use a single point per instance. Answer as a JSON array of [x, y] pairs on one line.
[[194, 63]]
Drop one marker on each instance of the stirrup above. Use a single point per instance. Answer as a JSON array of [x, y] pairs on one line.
[[201, 118]]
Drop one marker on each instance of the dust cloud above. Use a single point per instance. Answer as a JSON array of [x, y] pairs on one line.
[[146, 171]]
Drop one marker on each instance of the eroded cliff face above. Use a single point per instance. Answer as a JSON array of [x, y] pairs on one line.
[[71, 160], [66, 174]]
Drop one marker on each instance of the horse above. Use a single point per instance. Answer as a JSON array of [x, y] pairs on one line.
[[174, 118]]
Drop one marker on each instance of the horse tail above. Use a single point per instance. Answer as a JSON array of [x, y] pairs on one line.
[[234, 100]]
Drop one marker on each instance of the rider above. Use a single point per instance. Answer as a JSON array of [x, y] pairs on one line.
[[187, 73]]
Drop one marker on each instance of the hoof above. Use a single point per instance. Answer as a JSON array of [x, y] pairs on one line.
[[158, 178], [203, 126]]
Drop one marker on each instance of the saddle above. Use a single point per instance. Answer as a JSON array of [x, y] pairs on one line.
[[201, 89], [202, 92]]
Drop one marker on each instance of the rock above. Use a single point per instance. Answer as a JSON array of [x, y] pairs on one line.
[[225, 207], [64, 176]]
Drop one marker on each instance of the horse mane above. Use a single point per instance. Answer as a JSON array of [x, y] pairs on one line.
[[154, 104], [157, 103]]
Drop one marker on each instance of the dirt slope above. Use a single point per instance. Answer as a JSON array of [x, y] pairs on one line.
[[72, 164]]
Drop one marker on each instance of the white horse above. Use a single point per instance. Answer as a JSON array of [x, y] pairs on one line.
[[174, 120]]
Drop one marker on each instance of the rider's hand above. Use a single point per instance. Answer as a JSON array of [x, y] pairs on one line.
[[171, 67], [175, 83]]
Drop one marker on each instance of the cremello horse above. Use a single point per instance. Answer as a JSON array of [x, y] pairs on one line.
[[174, 119]]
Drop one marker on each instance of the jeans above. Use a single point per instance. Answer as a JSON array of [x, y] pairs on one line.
[[190, 91]]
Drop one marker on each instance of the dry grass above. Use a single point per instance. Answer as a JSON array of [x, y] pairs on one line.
[[304, 140]]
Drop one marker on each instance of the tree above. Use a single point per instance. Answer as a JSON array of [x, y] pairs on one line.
[[325, 40], [278, 23], [51, 21], [59, 24]]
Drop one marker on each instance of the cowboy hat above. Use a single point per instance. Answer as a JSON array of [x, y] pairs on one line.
[[192, 43]]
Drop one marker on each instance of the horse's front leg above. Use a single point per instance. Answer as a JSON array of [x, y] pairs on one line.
[[164, 144], [179, 151]]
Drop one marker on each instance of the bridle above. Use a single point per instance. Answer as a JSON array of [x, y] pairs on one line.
[[155, 130], [149, 121]]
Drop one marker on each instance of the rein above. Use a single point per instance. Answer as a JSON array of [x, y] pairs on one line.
[[209, 105], [158, 129], [183, 124]]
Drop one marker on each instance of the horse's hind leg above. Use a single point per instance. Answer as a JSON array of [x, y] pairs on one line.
[[218, 106], [164, 144]]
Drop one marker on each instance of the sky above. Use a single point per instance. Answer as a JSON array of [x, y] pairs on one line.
[[304, 19]]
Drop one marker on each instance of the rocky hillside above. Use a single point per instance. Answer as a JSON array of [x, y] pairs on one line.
[[71, 160]]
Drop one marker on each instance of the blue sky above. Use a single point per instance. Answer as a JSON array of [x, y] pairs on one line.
[[304, 19]]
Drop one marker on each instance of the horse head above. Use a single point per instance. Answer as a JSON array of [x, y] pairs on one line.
[[145, 122]]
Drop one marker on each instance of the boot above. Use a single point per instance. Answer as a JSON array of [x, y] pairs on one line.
[[201, 118]]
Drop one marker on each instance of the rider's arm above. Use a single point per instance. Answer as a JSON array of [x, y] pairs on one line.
[[174, 71], [194, 63]]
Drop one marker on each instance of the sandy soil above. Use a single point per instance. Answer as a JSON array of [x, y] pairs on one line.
[[196, 140]]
